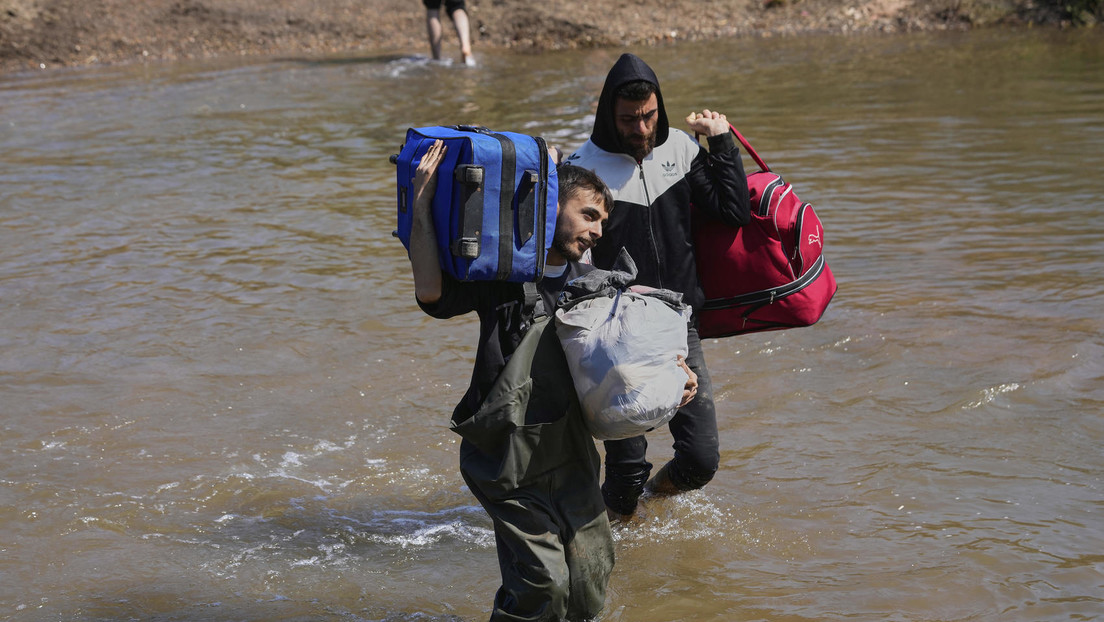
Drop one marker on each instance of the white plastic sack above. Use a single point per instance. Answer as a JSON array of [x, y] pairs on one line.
[[622, 354]]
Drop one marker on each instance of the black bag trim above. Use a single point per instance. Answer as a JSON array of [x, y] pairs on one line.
[[768, 296], [505, 208], [541, 211], [470, 179], [768, 194]]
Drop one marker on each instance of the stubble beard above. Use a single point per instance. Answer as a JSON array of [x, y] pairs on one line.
[[567, 248]]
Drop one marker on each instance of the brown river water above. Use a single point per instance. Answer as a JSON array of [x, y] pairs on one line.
[[218, 400]]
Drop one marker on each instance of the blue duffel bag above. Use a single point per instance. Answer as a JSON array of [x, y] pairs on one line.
[[495, 206]]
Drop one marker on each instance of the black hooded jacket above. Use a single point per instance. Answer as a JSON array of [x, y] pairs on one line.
[[653, 197]]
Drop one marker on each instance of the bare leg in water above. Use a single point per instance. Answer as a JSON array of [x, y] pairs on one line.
[[463, 32]]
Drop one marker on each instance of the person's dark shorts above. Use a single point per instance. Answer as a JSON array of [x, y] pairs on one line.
[[451, 6]]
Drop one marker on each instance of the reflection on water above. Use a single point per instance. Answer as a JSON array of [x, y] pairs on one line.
[[220, 402]]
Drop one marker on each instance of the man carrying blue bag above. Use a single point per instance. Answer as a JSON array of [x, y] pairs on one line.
[[526, 454], [495, 215]]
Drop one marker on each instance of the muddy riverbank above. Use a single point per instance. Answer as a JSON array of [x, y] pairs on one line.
[[44, 34]]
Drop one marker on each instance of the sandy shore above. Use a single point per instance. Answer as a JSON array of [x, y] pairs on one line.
[[44, 34]]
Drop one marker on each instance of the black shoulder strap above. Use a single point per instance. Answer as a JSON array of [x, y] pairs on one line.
[[534, 302]]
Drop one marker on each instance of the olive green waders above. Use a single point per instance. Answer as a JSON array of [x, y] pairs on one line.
[[530, 461]]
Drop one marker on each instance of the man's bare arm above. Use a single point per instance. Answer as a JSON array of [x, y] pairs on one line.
[[423, 237]]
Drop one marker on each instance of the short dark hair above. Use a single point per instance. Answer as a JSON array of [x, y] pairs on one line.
[[575, 179], [635, 91]]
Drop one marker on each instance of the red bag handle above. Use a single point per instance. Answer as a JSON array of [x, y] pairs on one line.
[[747, 147], [751, 150]]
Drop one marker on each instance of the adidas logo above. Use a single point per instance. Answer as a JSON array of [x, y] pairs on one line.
[[668, 169]]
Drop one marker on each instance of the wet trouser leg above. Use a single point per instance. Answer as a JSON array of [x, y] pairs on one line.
[[696, 444], [529, 460], [555, 549]]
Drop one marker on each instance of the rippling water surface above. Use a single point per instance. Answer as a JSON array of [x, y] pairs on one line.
[[218, 400]]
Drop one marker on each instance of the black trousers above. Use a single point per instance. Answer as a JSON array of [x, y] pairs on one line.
[[696, 444]]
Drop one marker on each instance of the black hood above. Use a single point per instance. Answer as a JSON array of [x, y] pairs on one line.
[[628, 68]]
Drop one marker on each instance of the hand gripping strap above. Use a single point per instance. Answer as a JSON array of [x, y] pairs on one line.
[[747, 147]]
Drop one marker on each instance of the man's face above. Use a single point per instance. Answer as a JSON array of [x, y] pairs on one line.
[[636, 123], [579, 225]]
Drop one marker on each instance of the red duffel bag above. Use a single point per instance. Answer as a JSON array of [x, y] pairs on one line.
[[769, 274]]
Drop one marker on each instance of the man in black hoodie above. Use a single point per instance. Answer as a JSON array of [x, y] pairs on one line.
[[657, 175]]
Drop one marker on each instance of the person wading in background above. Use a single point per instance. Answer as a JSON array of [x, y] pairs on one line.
[[458, 13]]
